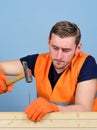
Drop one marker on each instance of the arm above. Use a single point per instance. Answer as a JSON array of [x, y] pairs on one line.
[[9, 68], [13, 67], [84, 97]]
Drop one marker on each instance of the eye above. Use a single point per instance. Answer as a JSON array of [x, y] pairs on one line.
[[55, 48], [65, 50]]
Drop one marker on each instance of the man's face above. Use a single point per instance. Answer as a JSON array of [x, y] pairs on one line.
[[62, 51]]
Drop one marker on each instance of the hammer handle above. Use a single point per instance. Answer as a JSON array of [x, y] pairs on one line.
[[15, 79]]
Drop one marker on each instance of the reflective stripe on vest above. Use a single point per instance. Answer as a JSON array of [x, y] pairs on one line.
[[63, 103]]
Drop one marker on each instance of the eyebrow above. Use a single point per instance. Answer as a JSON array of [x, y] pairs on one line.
[[61, 48]]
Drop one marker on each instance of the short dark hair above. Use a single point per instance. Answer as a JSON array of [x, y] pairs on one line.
[[66, 29]]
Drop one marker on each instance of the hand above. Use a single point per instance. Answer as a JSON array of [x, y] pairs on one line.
[[39, 108], [3, 87]]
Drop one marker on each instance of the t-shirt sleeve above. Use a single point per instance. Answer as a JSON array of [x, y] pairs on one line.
[[30, 59], [88, 70]]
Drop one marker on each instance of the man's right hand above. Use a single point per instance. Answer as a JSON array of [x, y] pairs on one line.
[[3, 87]]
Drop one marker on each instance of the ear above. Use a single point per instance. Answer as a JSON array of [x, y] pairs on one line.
[[79, 46], [48, 41]]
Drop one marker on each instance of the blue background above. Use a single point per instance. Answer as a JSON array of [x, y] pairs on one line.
[[24, 29]]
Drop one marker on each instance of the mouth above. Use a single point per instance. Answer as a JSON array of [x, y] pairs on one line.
[[58, 61]]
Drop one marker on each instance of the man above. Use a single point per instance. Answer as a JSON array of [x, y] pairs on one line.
[[66, 77]]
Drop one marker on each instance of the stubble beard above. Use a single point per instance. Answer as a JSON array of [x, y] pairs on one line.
[[59, 65]]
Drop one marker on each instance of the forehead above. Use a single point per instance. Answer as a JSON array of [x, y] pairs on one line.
[[63, 42]]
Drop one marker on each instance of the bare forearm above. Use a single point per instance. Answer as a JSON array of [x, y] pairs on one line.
[[74, 108], [13, 67]]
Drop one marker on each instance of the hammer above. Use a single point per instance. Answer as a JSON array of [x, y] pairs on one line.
[[26, 74]]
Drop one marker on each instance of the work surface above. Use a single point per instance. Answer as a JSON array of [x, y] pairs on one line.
[[52, 121]]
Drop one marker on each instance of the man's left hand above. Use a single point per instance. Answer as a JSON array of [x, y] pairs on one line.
[[39, 108]]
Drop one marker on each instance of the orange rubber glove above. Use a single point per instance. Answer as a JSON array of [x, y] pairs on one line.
[[39, 108], [3, 87]]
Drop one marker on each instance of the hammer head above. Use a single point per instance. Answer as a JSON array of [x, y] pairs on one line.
[[27, 72]]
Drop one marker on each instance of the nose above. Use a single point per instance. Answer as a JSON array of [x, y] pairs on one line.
[[59, 54]]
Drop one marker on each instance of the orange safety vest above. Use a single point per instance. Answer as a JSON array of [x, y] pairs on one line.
[[64, 90]]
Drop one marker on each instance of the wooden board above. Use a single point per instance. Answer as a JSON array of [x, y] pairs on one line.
[[52, 121]]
